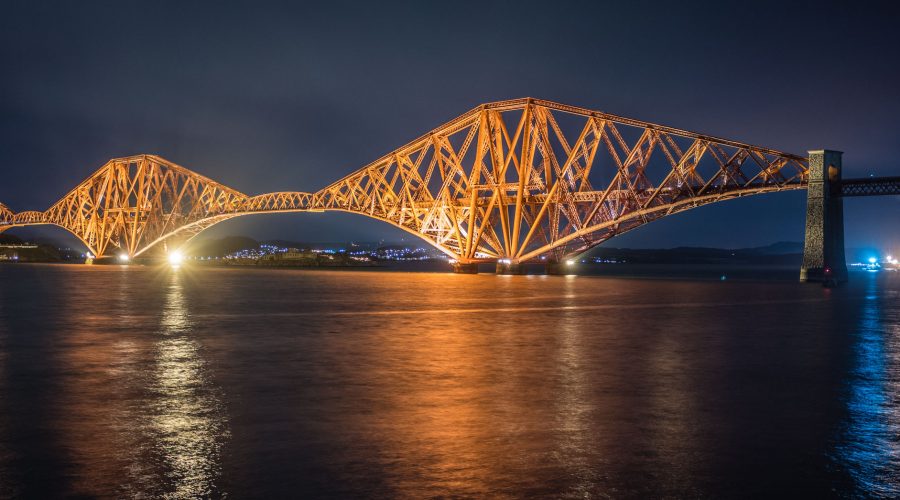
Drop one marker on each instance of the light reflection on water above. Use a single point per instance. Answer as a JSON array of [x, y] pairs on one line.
[[188, 417], [574, 406], [137, 415], [204, 382], [870, 448]]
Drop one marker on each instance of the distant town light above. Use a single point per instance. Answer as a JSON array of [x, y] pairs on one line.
[[570, 262], [872, 260], [123, 257]]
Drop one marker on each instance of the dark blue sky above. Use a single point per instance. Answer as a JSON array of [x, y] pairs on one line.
[[282, 96]]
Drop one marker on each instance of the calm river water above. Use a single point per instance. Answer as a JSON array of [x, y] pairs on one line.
[[151, 382]]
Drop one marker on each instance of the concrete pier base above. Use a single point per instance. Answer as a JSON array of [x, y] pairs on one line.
[[465, 268], [559, 268], [823, 247], [106, 261], [513, 268]]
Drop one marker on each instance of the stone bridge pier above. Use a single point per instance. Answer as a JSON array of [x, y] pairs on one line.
[[823, 248]]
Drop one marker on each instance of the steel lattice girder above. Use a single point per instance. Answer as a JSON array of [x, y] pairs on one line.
[[512, 180], [873, 186]]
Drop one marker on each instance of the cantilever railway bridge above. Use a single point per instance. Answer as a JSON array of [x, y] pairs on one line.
[[510, 182]]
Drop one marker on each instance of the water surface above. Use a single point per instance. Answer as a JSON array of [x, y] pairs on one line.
[[149, 382]]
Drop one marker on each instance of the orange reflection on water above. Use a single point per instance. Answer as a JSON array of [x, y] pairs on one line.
[[165, 438], [188, 418], [532, 404], [101, 362], [476, 401]]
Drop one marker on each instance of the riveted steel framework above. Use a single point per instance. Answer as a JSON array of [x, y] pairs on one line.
[[516, 180], [6, 215], [872, 186]]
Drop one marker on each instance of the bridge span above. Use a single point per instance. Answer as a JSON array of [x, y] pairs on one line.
[[509, 182]]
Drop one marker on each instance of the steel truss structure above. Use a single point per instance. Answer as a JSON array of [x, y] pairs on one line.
[[872, 186], [512, 181]]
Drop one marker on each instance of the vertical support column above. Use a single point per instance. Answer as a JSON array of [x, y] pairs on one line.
[[823, 248]]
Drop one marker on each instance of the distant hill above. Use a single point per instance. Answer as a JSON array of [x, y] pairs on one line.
[[352, 245], [287, 243], [781, 253], [8, 239], [33, 252], [779, 248], [219, 247]]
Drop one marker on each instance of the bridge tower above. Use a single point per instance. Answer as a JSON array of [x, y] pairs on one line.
[[823, 248]]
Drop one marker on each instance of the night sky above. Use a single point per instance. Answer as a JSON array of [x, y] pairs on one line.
[[281, 96]]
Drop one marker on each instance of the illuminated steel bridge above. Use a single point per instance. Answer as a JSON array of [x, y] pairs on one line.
[[511, 182]]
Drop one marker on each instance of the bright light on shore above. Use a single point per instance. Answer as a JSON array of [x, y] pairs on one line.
[[570, 262], [872, 260], [123, 257], [175, 258]]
